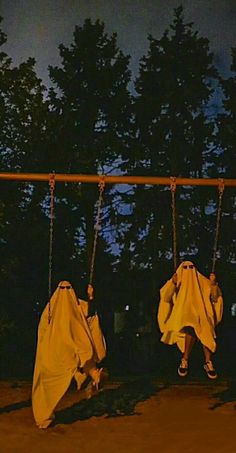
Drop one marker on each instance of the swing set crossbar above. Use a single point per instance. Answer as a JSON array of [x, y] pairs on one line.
[[109, 179]]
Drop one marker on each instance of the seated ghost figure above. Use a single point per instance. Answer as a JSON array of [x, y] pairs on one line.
[[186, 313], [69, 346]]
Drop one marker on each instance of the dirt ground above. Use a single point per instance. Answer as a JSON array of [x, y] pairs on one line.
[[139, 416]]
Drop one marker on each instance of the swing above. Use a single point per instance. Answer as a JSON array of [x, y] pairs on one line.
[[50, 263], [221, 187], [173, 209], [97, 226]]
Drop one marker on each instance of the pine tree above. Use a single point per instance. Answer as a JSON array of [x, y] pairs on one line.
[[225, 164], [90, 110], [174, 86], [23, 112]]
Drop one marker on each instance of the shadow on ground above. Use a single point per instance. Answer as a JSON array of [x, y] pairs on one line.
[[15, 406], [110, 402], [226, 396]]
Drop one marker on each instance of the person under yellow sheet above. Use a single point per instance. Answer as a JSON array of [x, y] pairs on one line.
[[69, 346], [189, 309]]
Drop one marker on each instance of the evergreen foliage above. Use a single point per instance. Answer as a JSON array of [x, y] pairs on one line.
[[90, 122]]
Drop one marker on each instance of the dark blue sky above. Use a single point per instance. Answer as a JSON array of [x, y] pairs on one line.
[[36, 27]]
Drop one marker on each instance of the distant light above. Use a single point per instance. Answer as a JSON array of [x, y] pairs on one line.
[[137, 334], [127, 308], [233, 309]]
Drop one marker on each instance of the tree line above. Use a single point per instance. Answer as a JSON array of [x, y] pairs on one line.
[[175, 118]]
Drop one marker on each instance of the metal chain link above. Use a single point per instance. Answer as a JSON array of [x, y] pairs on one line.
[[97, 227], [50, 263], [221, 187], [173, 208]]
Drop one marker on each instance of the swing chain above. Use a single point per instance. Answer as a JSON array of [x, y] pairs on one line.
[[221, 187], [51, 215], [173, 206], [97, 226]]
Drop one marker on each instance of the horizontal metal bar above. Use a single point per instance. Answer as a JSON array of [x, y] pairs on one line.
[[149, 180]]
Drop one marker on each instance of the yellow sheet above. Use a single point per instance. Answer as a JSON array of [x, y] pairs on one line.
[[64, 346], [188, 304]]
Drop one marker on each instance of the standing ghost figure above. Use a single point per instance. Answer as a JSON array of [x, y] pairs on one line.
[[186, 313], [69, 346]]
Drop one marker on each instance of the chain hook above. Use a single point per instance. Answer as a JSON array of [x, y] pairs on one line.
[[221, 186], [101, 184], [173, 184]]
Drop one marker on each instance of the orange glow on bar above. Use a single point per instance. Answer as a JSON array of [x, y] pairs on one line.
[[150, 180]]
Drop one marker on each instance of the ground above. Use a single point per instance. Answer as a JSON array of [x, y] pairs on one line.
[[136, 416]]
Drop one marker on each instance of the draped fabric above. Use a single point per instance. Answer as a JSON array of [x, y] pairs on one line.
[[65, 345], [188, 304]]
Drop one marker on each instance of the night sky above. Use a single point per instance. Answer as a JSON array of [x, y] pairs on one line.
[[36, 27]]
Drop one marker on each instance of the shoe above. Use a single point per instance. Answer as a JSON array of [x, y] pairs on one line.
[[210, 370], [99, 377], [183, 368], [80, 378]]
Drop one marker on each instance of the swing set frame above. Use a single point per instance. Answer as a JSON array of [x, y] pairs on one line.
[[111, 179], [101, 180]]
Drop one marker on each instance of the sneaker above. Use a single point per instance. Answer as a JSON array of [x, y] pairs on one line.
[[183, 368], [210, 370]]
